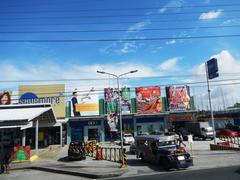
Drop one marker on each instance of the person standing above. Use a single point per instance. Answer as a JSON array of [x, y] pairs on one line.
[[180, 140], [74, 103]]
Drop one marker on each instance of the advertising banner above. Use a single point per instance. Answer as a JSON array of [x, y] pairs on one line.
[[5, 97], [148, 100], [125, 100], [178, 98], [111, 100], [85, 104], [21, 153], [53, 94]]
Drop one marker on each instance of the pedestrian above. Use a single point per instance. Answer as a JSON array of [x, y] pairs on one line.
[[180, 140]]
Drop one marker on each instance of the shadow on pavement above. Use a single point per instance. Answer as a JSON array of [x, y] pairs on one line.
[[64, 159], [238, 171], [139, 162]]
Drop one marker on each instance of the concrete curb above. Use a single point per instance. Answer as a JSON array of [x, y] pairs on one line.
[[82, 174], [214, 147]]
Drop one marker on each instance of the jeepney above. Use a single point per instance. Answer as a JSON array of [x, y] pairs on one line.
[[162, 150]]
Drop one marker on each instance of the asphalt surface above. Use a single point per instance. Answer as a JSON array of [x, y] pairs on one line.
[[223, 173]]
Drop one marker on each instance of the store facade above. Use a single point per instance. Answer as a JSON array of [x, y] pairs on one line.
[[32, 125]]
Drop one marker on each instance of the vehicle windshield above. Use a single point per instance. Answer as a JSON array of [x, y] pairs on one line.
[[127, 135]]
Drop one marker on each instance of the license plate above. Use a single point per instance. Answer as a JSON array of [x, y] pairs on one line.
[[181, 158]]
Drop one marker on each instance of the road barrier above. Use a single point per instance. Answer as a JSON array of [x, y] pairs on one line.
[[113, 154], [123, 159], [232, 141]]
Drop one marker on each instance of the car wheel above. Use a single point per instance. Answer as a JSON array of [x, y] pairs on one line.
[[165, 164], [142, 157]]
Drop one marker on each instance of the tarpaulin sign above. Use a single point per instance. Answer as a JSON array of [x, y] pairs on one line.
[[21, 153]]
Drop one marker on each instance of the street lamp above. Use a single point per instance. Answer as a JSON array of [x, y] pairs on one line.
[[119, 99]]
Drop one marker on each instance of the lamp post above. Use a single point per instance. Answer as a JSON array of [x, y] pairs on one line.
[[119, 99]]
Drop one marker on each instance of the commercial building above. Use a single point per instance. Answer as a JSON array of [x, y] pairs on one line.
[[34, 125]]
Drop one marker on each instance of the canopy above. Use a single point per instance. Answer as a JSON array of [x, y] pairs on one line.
[[12, 116]]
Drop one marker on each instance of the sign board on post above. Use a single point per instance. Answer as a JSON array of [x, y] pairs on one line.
[[212, 68]]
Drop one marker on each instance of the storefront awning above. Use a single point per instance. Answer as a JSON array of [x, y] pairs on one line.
[[12, 116]]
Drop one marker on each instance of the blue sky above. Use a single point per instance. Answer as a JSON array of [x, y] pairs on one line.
[[66, 60]]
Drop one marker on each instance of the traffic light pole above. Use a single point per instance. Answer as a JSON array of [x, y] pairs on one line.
[[210, 104]]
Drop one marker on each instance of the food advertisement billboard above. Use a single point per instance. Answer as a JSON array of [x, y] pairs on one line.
[[178, 98], [148, 100]]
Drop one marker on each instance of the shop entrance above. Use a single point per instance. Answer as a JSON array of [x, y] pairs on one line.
[[93, 134]]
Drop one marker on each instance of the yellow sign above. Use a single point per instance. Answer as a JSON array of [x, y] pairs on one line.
[[87, 107], [53, 94]]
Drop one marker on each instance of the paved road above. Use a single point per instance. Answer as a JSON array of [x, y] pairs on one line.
[[224, 173]]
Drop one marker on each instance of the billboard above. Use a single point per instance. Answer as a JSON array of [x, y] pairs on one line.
[[178, 98], [84, 104], [53, 94], [5, 97], [111, 100], [148, 100], [125, 100]]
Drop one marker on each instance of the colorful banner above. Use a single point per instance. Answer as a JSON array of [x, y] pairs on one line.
[[84, 104], [178, 98], [53, 94], [21, 153], [5, 97], [111, 100], [125, 100], [112, 120], [148, 100]]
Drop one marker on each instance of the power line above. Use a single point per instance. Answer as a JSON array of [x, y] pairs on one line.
[[132, 89], [120, 9], [111, 23], [117, 39], [118, 30], [109, 16], [123, 78]]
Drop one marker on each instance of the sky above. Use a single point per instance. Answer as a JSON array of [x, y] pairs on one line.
[[157, 37]]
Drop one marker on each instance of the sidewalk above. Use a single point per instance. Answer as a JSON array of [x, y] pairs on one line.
[[89, 168]]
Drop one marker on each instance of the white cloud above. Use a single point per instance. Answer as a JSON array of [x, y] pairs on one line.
[[51, 71], [211, 14], [169, 65], [128, 47], [229, 68], [171, 4], [139, 26], [173, 41]]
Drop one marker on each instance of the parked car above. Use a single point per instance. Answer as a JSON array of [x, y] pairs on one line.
[[128, 138], [76, 151], [132, 148], [227, 132], [162, 150]]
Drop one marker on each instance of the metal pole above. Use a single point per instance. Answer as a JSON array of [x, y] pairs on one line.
[[120, 114], [36, 135], [210, 104], [61, 136], [24, 137]]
